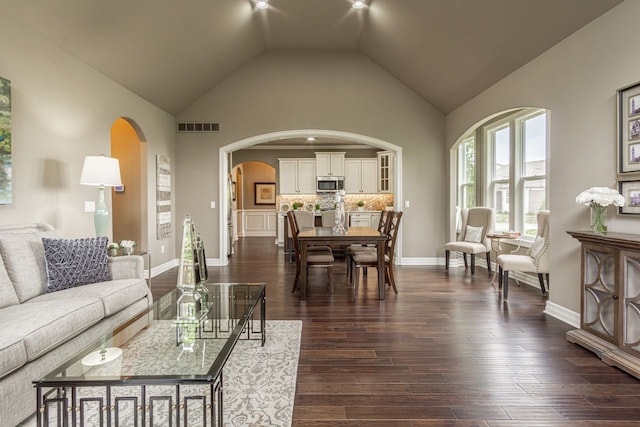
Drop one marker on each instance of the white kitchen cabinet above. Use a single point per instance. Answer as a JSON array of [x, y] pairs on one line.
[[385, 171], [330, 164], [297, 176], [360, 219], [360, 176], [375, 219]]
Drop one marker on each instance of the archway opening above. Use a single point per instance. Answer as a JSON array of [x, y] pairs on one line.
[[129, 206]]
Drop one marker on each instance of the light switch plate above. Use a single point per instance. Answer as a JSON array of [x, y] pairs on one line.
[[213, 205], [407, 204]]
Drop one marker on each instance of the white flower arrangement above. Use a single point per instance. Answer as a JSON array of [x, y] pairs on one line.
[[600, 196], [127, 244]]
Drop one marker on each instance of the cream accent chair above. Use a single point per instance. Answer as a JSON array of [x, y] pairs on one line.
[[329, 218], [473, 241], [536, 259]]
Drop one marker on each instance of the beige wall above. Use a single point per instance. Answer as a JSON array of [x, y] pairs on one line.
[[577, 81], [255, 172], [62, 111], [323, 90]]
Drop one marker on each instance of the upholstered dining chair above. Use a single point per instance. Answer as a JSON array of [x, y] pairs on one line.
[[382, 228], [476, 224], [369, 258], [317, 256], [535, 260], [328, 218]]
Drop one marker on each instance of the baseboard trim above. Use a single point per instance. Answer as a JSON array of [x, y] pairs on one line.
[[159, 269], [563, 314], [421, 261]]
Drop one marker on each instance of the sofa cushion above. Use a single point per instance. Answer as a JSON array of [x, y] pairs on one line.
[[44, 325], [114, 295], [75, 262], [8, 295], [12, 353], [23, 257]]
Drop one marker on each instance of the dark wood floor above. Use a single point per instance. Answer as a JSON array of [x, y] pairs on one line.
[[445, 351]]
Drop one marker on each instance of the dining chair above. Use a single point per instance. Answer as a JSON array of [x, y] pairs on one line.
[[329, 218], [317, 256], [476, 224], [367, 258], [383, 223], [535, 260]]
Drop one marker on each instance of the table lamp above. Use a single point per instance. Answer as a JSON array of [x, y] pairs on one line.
[[101, 171]]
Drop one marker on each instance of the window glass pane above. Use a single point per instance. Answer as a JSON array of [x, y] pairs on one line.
[[501, 206], [501, 153], [469, 159], [467, 173], [534, 201], [469, 196], [535, 135]]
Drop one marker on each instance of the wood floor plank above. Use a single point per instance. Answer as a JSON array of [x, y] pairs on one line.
[[444, 351]]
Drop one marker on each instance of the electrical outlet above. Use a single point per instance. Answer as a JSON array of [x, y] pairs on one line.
[[407, 204], [213, 205]]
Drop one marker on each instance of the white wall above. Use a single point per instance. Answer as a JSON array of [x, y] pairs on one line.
[[62, 111], [320, 90], [577, 81]]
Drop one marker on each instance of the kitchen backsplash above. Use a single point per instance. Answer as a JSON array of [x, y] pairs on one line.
[[372, 202]]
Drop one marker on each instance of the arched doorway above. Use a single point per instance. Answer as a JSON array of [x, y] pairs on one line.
[[129, 209], [225, 167]]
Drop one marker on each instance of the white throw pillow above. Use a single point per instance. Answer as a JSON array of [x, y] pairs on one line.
[[536, 247], [473, 234]]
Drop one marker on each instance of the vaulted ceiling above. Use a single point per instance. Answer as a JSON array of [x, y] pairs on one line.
[[172, 52]]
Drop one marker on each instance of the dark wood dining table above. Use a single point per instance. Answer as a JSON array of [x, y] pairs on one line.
[[311, 236]]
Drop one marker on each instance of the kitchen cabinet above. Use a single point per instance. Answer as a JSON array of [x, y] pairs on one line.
[[385, 171], [297, 176], [360, 176], [610, 298], [360, 219], [330, 164]]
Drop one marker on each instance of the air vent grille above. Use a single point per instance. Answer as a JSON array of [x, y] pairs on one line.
[[198, 127]]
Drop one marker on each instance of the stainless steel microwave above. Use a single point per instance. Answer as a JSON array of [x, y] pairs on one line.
[[329, 184]]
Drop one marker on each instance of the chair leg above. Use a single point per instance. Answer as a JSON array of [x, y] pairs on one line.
[[548, 283], [541, 280], [505, 289], [356, 281], [391, 277], [473, 264], [499, 277], [446, 260], [464, 257], [348, 260], [489, 261]]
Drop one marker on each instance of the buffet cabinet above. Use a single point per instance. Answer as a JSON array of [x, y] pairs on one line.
[[610, 298]]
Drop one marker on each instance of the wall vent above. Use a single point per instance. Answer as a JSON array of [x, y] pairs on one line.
[[198, 127]]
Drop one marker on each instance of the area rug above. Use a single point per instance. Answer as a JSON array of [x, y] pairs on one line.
[[259, 382]]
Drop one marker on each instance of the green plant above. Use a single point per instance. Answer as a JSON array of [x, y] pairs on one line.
[[317, 206], [361, 203], [296, 205]]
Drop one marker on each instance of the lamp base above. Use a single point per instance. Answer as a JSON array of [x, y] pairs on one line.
[[102, 357], [101, 215]]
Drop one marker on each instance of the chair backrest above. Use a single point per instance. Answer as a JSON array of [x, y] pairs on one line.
[[539, 250], [384, 219], [304, 219], [328, 218], [393, 224], [293, 226], [478, 217]]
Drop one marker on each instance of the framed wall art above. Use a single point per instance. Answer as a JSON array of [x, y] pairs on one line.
[[631, 192], [628, 112], [265, 193]]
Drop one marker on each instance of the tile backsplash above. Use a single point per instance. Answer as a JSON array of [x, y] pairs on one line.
[[372, 202]]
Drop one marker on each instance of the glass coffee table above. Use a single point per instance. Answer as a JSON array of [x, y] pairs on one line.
[[149, 371]]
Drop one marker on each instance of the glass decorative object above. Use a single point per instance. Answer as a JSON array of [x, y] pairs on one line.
[[192, 307], [341, 214], [599, 218]]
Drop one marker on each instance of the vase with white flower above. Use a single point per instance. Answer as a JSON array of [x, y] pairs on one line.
[[127, 246], [599, 199]]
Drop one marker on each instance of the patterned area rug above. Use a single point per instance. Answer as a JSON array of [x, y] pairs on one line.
[[259, 382]]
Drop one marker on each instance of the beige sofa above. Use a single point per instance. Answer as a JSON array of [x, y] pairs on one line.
[[39, 330]]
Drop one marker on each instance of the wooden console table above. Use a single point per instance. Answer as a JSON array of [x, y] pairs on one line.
[[610, 298]]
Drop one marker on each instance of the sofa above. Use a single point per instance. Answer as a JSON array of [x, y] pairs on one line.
[[41, 327]]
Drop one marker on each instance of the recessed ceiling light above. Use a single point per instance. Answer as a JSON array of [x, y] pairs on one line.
[[359, 4], [311, 139], [262, 4]]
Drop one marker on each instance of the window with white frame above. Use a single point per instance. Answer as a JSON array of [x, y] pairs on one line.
[[508, 159], [467, 173]]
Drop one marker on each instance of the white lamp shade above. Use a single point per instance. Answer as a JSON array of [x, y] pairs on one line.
[[101, 171]]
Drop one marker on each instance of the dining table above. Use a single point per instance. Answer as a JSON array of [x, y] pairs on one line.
[[312, 236]]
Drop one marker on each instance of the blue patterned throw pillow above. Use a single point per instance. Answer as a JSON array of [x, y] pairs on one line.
[[75, 262]]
